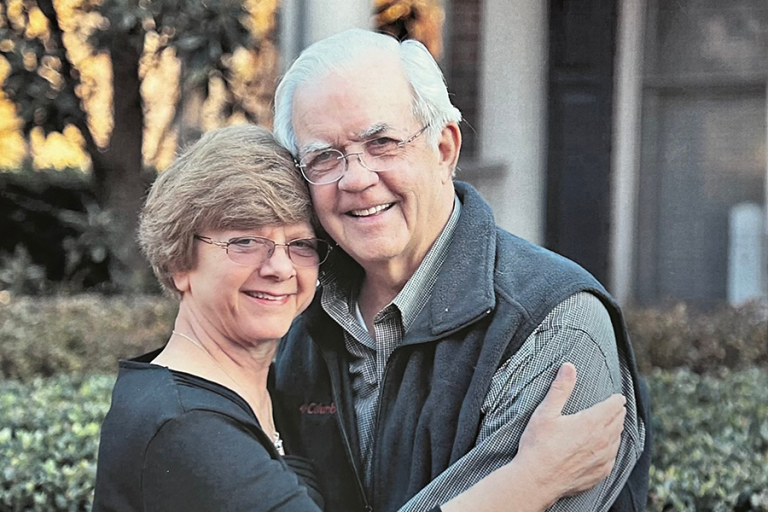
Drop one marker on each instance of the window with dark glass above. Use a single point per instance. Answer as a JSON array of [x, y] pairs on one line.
[[703, 142]]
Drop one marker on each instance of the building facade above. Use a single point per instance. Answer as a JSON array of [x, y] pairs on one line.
[[628, 135]]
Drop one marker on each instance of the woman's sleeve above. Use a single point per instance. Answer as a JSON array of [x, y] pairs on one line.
[[204, 461]]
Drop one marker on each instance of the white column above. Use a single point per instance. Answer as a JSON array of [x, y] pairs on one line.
[[512, 125], [327, 17], [626, 147], [764, 247], [745, 253], [303, 22], [291, 31]]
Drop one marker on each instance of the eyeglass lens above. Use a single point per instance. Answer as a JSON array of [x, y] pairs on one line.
[[307, 252], [327, 166]]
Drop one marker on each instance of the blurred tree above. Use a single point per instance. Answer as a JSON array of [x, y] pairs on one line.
[[412, 19], [49, 46]]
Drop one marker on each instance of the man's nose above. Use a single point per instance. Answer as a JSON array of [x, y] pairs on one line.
[[357, 175]]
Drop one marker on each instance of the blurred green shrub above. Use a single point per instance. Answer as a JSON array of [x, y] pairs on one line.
[[730, 337], [49, 431], [48, 334], [711, 430], [711, 441], [19, 275], [54, 218], [44, 336]]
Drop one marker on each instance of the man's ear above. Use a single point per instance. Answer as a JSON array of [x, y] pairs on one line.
[[449, 147]]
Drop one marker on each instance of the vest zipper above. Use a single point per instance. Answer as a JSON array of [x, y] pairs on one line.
[[344, 436], [376, 422], [382, 383]]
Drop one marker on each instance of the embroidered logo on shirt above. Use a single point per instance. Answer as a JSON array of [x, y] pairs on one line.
[[315, 408]]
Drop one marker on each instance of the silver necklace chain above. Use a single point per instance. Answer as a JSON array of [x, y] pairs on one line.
[[276, 439]]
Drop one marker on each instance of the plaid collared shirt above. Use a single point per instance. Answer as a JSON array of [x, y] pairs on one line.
[[578, 330]]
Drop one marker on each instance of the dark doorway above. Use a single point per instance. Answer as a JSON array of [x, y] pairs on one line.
[[582, 38]]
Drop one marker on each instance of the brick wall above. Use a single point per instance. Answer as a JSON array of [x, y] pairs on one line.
[[463, 66]]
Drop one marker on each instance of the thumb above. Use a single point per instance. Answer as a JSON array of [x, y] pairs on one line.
[[559, 391]]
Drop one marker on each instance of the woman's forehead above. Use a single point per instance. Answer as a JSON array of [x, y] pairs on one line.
[[293, 230]]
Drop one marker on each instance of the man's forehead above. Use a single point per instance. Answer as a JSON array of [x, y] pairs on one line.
[[347, 106], [371, 75]]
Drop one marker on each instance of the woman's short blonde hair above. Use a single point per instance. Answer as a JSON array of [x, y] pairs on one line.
[[234, 178]]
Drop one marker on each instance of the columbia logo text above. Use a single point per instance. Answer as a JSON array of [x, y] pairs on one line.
[[315, 408]]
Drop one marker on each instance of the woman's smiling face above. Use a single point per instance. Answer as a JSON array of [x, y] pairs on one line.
[[248, 304]]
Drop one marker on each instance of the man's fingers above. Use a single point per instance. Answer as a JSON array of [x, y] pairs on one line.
[[607, 411], [559, 391], [617, 423]]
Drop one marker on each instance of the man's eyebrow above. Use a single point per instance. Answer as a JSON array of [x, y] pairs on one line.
[[374, 130], [314, 146]]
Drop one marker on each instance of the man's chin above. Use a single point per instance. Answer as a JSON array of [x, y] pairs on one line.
[[372, 252]]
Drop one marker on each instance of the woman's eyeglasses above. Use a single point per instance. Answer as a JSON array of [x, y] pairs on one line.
[[254, 250]]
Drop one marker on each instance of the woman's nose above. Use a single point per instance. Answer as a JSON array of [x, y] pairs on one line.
[[279, 264]]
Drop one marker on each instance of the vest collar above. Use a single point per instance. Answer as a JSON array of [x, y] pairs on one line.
[[464, 289]]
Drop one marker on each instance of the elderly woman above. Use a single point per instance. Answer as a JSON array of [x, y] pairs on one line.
[[227, 229]]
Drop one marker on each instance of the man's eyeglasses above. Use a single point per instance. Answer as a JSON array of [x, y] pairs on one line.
[[254, 250], [377, 155]]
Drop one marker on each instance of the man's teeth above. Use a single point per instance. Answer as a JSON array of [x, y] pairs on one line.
[[261, 295], [370, 211]]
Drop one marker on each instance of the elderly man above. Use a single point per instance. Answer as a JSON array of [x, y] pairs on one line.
[[436, 334]]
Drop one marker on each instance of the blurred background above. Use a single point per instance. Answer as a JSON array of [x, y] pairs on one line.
[[628, 135]]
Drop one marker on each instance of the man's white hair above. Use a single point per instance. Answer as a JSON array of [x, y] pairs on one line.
[[431, 104]]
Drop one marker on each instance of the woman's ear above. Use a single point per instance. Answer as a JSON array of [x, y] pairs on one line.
[[181, 281]]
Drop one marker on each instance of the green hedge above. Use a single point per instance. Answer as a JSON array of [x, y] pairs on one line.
[[49, 430], [711, 444], [711, 440], [678, 336], [45, 336]]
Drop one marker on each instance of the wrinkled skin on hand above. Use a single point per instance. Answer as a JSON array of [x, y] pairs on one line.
[[571, 453]]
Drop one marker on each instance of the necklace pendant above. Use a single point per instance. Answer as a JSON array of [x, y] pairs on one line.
[[278, 444]]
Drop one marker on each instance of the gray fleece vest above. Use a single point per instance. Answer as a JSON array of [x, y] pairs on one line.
[[493, 290]]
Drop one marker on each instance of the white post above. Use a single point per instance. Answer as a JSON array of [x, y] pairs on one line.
[[302, 22], [746, 272], [626, 147], [513, 110], [765, 211], [327, 17]]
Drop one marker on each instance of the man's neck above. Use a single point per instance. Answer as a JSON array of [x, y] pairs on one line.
[[384, 280], [375, 294]]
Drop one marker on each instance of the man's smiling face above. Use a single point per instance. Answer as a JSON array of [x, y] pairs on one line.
[[378, 218]]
